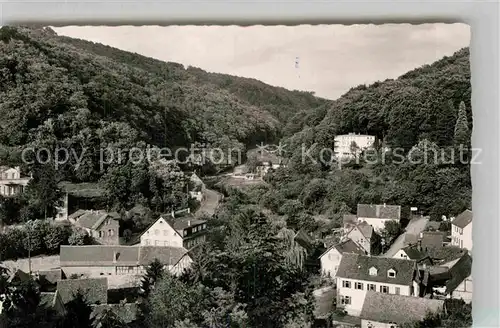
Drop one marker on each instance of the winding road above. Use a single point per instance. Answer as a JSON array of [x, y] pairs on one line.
[[210, 203]]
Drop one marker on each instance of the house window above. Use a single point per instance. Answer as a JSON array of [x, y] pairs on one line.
[[109, 232], [100, 234], [384, 289], [397, 291], [372, 287], [345, 300], [358, 285], [204, 225], [391, 273], [373, 271], [121, 270], [346, 284]]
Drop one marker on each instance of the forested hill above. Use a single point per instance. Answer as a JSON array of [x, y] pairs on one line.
[[421, 104], [57, 89]]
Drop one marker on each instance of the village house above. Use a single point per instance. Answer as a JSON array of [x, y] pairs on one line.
[[104, 227], [358, 274], [454, 280], [94, 261], [416, 253], [364, 235], [461, 230], [378, 215], [350, 145], [330, 259], [391, 311], [11, 181], [185, 231]]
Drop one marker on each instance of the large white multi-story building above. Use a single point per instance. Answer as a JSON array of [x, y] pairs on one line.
[[461, 230], [358, 274], [348, 145]]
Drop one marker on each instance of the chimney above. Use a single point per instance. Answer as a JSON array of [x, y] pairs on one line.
[[189, 223]]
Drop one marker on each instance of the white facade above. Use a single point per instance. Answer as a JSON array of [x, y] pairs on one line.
[[343, 144], [464, 290], [357, 236], [352, 292], [401, 254], [11, 182], [134, 272], [161, 233], [330, 262], [376, 223], [462, 237]]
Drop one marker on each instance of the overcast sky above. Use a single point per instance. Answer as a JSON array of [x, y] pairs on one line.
[[332, 58]]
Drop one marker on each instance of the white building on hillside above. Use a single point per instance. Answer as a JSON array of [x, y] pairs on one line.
[[378, 215], [11, 182], [358, 274], [461, 230], [94, 261], [185, 231], [330, 259], [348, 145]]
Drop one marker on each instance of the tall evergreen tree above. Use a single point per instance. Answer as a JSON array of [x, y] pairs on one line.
[[462, 133]]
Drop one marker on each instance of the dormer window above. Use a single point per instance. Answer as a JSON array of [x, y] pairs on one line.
[[373, 271], [391, 273]]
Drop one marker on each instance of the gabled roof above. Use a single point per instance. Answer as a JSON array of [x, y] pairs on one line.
[[346, 246], [95, 290], [463, 219], [303, 239], [103, 255], [379, 211], [92, 219], [50, 276], [366, 229], [458, 272], [166, 255], [432, 239], [388, 308], [354, 266], [178, 224], [18, 276], [414, 253]]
